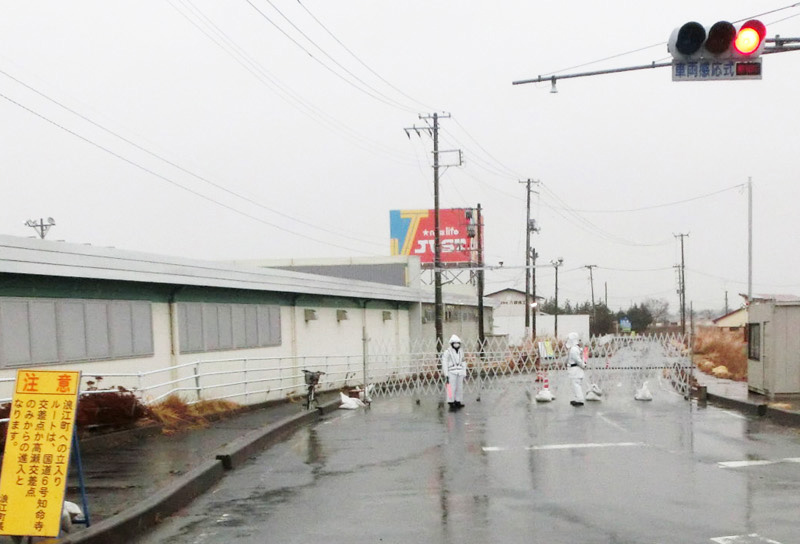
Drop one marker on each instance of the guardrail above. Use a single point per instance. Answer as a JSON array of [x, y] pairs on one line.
[[253, 379]]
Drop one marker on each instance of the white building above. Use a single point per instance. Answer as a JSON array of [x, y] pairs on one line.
[[108, 311], [773, 344], [509, 319]]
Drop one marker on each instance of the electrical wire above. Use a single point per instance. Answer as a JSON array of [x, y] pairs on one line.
[[369, 91], [173, 182], [590, 227], [365, 65], [283, 91], [664, 205], [179, 167]]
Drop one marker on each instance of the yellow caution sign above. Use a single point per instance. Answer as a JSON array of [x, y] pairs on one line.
[[37, 452]]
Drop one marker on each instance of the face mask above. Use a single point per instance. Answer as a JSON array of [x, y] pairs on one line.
[[456, 345]]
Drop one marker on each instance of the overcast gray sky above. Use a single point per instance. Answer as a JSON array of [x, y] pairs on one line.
[[274, 128]]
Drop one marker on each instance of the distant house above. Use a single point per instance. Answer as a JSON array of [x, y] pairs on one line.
[[734, 321], [509, 318]]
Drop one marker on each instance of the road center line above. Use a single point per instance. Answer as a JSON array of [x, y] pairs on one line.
[[589, 445], [753, 538], [756, 463]]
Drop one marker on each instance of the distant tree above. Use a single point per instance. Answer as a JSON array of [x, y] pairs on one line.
[[639, 317], [602, 321], [658, 308]]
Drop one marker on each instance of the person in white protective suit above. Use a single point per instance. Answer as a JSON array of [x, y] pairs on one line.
[[575, 369], [454, 369]]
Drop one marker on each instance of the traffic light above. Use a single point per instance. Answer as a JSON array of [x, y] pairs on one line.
[[721, 51]]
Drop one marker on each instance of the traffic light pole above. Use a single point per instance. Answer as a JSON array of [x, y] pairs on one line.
[[780, 45]]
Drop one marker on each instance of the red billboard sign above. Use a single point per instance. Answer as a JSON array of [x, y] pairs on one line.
[[413, 233]]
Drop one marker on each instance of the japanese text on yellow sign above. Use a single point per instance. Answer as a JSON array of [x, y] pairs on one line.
[[36, 458]]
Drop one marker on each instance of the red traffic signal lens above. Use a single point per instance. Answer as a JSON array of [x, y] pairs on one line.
[[749, 37]]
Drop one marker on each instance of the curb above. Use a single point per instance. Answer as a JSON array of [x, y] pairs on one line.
[[131, 522], [241, 449], [741, 405], [783, 417]]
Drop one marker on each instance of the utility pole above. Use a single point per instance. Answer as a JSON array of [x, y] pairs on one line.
[[591, 282], [535, 304], [437, 242], [530, 226], [40, 226], [481, 332], [749, 240], [682, 285], [556, 264]]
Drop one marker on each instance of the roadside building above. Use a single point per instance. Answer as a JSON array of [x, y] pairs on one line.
[[773, 348], [735, 320], [509, 318], [106, 311]]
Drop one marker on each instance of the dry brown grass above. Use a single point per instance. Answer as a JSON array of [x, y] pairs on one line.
[[175, 414], [721, 353]]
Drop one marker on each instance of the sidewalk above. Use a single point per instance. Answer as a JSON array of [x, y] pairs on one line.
[[784, 409], [134, 478]]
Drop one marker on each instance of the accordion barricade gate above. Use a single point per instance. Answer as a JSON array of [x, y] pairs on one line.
[[626, 362]]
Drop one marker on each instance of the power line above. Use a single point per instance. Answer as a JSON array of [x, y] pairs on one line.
[[370, 91], [283, 91], [171, 181], [177, 166], [376, 74], [664, 205]]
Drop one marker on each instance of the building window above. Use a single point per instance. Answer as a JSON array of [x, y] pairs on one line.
[[218, 327], [39, 331], [754, 341]]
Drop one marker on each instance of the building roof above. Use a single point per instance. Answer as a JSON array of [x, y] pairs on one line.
[[729, 314], [510, 290], [34, 256], [506, 290], [778, 298]]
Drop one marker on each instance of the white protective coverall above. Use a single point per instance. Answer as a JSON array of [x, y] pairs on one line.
[[575, 369], [454, 369]]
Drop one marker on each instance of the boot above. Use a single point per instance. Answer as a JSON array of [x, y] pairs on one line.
[[452, 406]]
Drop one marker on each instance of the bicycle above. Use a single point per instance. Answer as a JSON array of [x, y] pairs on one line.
[[312, 381]]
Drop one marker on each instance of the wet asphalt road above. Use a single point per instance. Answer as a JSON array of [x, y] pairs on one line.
[[510, 470]]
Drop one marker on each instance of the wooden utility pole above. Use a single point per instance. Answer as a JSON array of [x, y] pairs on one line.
[[556, 264], [591, 282], [682, 285], [481, 332], [437, 242], [530, 256]]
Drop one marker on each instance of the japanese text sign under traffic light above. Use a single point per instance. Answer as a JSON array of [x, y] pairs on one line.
[[37, 452], [723, 51]]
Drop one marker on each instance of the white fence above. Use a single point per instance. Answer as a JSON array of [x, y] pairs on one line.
[[625, 361], [414, 369]]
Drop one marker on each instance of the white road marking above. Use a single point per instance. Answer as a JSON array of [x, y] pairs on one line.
[[612, 423], [740, 464], [756, 463], [493, 448], [734, 414], [589, 445], [753, 538]]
